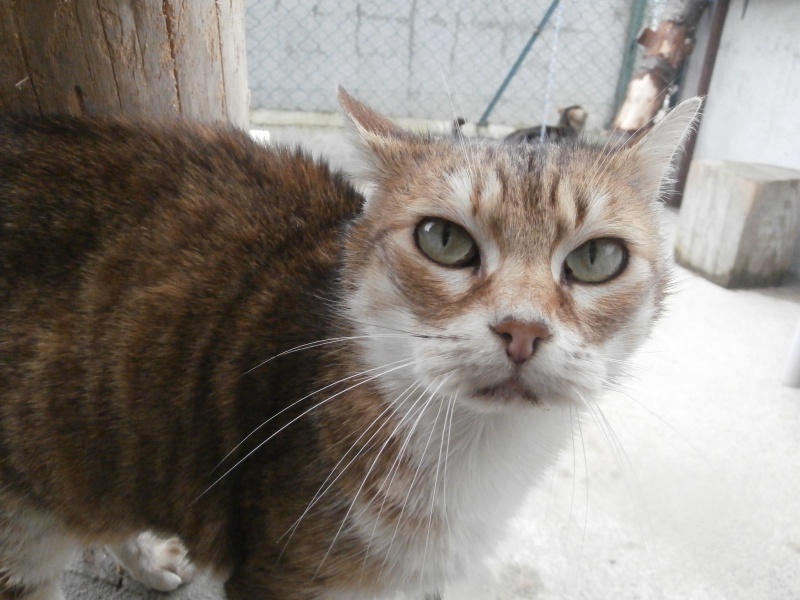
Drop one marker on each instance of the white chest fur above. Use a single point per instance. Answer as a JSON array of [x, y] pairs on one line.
[[473, 472]]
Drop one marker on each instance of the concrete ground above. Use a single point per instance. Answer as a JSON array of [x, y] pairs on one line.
[[689, 491]]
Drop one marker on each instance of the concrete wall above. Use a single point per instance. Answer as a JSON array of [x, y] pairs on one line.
[[401, 57], [752, 112]]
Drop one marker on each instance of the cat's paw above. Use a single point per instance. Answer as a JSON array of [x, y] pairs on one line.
[[161, 564]]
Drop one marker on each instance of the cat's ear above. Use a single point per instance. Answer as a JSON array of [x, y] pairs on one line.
[[380, 143], [368, 123], [654, 151]]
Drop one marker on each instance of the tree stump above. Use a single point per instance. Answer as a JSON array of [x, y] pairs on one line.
[[145, 57]]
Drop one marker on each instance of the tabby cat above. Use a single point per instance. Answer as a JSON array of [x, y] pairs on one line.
[[570, 126], [322, 395]]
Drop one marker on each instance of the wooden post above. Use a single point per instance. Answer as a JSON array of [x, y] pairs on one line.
[[709, 60], [146, 57]]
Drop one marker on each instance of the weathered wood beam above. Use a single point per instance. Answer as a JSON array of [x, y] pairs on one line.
[[143, 57]]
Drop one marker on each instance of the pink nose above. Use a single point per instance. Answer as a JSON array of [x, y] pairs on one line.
[[521, 338]]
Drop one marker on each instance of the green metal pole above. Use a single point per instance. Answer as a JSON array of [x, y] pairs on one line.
[[626, 72], [518, 62]]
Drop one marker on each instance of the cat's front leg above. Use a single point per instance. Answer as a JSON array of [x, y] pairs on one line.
[[160, 564]]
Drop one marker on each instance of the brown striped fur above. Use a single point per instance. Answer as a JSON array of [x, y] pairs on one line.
[[148, 271]]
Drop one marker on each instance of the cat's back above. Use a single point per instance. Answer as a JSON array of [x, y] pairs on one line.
[[112, 227], [69, 186]]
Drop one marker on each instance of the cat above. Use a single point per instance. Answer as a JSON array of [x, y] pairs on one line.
[[321, 394], [570, 125]]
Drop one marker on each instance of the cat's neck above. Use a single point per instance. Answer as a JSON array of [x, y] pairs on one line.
[[470, 453], [455, 477]]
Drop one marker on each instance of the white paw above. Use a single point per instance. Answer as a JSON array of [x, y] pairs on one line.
[[160, 564]]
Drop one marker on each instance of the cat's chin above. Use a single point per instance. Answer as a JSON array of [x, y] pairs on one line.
[[506, 395]]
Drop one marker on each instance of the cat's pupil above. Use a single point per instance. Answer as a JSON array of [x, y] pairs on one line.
[[592, 252], [445, 234]]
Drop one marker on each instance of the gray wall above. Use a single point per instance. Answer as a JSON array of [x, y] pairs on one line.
[[752, 112], [404, 57]]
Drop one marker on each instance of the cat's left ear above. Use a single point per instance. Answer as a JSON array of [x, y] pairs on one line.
[[655, 151]]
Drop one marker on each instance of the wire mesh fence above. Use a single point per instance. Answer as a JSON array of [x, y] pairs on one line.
[[437, 59]]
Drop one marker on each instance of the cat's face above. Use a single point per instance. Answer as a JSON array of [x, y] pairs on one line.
[[526, 274]]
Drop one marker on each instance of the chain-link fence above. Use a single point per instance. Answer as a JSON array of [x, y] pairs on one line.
[[436, 59]]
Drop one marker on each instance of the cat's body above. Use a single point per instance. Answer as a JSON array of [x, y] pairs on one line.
[[165, 290], [570, 125]]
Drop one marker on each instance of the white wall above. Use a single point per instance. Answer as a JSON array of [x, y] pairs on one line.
[[401, 57], [753, 107], [752, 112]]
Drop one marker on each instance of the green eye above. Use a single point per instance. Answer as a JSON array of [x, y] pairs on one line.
[[596, 261], [446, 243]]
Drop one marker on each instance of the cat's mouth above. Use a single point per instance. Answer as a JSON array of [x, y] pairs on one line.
[[511, 390]]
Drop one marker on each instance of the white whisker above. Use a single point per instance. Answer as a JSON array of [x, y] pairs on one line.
[[326, 486], [355, 497], [435, 483], [621, 390], [296, 402], [324, 342], [637, 495], [464, 145], [303, 414], [586, 472], [574, 471], [416, 473], [395, 464], [449, 423]]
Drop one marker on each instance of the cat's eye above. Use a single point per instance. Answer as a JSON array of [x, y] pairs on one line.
[[596, 261], [446, 243]]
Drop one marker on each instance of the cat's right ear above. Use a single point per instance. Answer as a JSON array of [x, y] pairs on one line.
[[655, 150], [366, 121], [379, 141]]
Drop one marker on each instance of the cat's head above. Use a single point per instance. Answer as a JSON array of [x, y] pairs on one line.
[[505, 274]]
